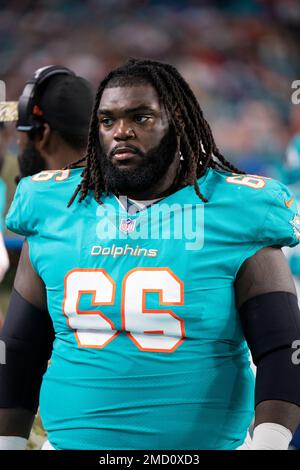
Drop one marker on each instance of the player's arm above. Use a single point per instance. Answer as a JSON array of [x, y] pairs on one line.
[[28, 337], [270, 317]]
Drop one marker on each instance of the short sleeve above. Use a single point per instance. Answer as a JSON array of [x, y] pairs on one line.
[[281, 224], [19, 217]]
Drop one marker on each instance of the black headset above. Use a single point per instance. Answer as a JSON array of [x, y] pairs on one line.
[[27, 121]]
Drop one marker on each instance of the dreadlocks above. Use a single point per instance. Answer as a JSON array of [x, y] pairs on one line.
[[197, 144]]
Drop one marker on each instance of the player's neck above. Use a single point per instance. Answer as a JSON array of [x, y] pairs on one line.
[[62, 159]]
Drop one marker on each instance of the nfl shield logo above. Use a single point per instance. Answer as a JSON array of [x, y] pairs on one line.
[[127, 225]]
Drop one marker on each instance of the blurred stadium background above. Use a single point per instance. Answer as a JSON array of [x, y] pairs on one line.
[[240, 58]]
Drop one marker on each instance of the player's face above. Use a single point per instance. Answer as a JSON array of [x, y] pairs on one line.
[[30, 160], [138, 145]]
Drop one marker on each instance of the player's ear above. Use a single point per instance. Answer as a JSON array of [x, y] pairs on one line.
[[43, 137]]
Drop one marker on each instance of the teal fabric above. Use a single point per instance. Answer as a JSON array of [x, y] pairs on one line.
[[291, 176], [149, 351]]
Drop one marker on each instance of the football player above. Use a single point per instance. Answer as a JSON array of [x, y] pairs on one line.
[[53, 114], [159, 272]]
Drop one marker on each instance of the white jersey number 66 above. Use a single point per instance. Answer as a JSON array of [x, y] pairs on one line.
[[150, 330]]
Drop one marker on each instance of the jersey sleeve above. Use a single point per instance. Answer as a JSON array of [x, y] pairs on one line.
[[267, 216], [281, 224], [20, 218]]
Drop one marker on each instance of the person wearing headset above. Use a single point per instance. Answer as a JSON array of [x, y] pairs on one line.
[[53, 115], [54, 112]]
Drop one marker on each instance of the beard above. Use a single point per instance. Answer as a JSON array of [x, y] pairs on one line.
[[154, 164], [30, 161]]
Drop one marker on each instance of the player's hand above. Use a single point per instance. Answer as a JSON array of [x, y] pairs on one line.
[[268, 436]]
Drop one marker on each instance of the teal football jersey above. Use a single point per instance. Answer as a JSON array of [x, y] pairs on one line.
[[291, 177], [149, 352]]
